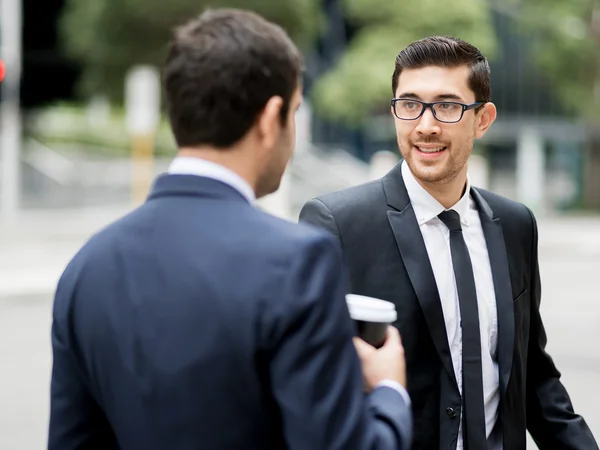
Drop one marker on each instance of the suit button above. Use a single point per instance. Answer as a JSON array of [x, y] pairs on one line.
[[451, 413]]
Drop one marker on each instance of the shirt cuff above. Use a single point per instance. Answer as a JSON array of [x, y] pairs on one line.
[[397, 387]]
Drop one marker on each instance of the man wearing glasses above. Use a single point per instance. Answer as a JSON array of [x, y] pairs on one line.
[[459, 263]]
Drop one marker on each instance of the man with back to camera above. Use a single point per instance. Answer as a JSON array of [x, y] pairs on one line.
[[459, 263], [198, 321]]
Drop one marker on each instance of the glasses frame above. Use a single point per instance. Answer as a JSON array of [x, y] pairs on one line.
[[425, 105]]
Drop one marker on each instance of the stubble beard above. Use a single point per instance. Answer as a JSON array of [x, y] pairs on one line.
[[438, 173]]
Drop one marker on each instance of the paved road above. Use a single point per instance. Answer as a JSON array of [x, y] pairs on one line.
[[24, 372], [570, 266]]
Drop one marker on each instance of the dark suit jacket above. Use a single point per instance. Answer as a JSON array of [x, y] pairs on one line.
[[199, 322], [382, 244]]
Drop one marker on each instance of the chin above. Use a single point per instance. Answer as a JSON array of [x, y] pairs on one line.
[[431, 177], [433, 173]]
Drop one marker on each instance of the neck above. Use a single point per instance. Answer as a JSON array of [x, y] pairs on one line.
[[234, 159], [447, 192]]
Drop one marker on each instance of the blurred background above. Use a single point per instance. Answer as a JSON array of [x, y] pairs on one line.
[[82, 134]]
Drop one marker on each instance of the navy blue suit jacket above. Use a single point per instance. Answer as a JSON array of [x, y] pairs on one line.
[[199, 322]]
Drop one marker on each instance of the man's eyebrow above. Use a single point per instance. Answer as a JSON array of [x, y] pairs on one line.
[[409, 95], [437, 97], [448, 97]]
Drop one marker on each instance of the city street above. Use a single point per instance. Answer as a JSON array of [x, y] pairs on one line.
[[570, 265], [81, 152]]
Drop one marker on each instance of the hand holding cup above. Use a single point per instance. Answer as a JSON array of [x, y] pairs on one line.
[[385, 363]]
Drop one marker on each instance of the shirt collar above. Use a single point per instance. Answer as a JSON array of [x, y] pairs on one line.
[[186, 165], [425, 206]]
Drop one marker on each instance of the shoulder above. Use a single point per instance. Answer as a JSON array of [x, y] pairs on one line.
[[256, 238], [514, 215], [353, 199], [99, 246], [94, 256], [505, 206]]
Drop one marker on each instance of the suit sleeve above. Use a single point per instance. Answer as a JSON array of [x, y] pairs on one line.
[[316, 213], [551, 419], [76, 421], [315, 371]]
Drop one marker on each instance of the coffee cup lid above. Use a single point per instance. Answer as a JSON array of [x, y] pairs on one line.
[[369, 309]]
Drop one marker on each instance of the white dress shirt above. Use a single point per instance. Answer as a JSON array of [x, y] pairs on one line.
[[437, 241], [185, 165]]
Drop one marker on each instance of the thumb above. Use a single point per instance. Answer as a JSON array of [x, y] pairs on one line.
[[392, 336], [362, 348]]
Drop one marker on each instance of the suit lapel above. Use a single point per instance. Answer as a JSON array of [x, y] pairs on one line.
[[492, 230], [416, 261]]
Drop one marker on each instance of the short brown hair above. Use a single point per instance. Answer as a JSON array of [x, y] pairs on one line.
[[446, 52], [221, 70]]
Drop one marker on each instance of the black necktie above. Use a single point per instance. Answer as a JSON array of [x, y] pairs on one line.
[[474, 434]]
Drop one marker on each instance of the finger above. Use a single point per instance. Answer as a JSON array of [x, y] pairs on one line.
[[393, 336], [362, 348]]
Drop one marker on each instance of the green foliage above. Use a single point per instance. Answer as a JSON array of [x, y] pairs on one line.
[[109, 36], [564, 47], [361, 81]]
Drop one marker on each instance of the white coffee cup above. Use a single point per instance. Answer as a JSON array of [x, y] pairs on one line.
[[372, 317]]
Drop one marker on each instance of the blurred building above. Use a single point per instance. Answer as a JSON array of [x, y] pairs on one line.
[[533, 153]]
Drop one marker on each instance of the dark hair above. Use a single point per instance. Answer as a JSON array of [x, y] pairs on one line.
[[221, 70], [446, 52]]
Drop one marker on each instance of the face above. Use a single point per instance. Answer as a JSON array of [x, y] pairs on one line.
[[278, 143], [438, 152]]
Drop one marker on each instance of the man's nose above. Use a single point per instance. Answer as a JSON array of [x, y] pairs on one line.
[[428, 124]]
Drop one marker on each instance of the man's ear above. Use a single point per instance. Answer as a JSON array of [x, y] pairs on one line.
[[485, 119], [269, 122]]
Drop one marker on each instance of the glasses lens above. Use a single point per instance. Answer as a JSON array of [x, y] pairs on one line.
[[408, 109], [448, 112]]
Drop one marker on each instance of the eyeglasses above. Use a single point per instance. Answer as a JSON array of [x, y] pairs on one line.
[[447, 112]]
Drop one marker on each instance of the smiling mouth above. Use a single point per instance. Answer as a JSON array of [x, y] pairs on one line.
[[430, 150]]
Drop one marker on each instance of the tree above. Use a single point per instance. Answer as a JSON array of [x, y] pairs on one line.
[[360, 83], [563, 46], [107, 37], [566, 36]]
